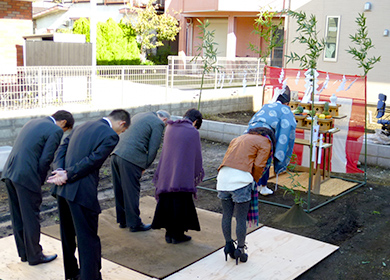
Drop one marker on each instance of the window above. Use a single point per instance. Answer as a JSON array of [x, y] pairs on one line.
[[332, 38], [277, 52]]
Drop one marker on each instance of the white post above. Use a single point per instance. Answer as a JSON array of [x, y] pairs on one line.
[[123, 85], [92, 29], [40, 87], [166, 81], [231, 38], [173, 69], [216, 78], [258, 72]]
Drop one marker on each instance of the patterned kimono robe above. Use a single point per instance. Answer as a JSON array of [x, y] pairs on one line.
[[281, 120]]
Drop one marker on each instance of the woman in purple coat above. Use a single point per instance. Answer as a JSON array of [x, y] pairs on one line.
[[178, 173]]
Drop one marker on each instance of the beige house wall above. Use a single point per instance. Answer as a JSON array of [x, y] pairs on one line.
[[11, 32], [377, 21], [15, 22]]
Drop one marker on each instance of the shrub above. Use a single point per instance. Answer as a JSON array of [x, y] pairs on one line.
[[115, 43], [161, 57]]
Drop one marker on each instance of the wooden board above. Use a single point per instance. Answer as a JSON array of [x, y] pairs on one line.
[[11, 268], [147, 252], [331, 187], [273, 254]]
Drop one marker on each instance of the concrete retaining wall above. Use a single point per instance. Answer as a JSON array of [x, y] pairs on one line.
[[377, 155], [10, 127]]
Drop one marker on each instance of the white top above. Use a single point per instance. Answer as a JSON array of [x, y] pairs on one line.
[[231, 179]]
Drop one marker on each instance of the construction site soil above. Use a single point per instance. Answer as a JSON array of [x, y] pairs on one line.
[[357, 222]]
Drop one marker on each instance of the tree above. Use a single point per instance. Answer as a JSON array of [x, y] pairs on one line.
[[359, 53], [151, 28], [81, 26], [115, 43], [307, 35], [207, 52], [266, 28]]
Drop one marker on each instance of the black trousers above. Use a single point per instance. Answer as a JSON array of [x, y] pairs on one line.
[[24, 207], [79, 222], [126, 180]]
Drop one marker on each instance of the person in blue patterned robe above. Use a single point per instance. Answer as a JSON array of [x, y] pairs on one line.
[[278, 118]]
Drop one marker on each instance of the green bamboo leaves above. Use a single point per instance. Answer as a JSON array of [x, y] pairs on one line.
[[364, 44], [307, 35], [265, 27], [206, 51]]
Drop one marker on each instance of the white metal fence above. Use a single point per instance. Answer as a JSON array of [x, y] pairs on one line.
[[39, 87], [186, 72]]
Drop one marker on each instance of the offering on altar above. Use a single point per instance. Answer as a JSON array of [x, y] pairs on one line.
[[322, 110], [325, 124], [298, 110]]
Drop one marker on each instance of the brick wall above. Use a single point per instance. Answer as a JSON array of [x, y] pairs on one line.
[[19, 55], [15, 22], [14, 9]]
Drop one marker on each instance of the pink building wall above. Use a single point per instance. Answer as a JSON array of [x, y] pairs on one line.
[[245, 35], [239, 28]]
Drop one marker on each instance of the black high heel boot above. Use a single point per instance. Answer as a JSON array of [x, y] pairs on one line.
[[239, 254], [229, 249]]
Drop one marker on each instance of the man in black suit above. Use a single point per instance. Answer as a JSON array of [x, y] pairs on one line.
[[80, 157], [24, 173]]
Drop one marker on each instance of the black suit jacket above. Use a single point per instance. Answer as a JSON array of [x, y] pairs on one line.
[[82, 154], [32, 153]]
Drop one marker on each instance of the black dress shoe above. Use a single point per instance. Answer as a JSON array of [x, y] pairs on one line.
[[77, 277], [23, 259], [141, 227], [44, 259], [168, 239], [181, 239], [122, 225]]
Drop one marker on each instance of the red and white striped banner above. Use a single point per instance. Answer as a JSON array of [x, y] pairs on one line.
[[351, 95]]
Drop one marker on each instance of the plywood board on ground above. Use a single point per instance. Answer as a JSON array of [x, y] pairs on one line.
[[273, 254], [11, 268], [147, 252], [331, 187]]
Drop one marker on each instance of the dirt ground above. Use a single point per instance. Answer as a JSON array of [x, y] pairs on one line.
[[357, 222]]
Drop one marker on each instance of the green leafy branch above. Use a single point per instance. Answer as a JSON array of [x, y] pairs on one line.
[[266, 28], [364, 44], [293, 190], [207, 52], [296, 193], [308, 35]]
